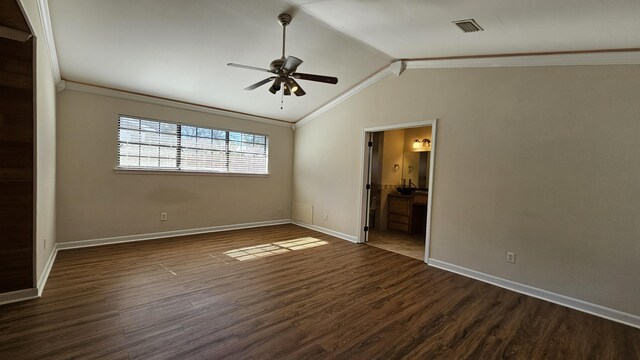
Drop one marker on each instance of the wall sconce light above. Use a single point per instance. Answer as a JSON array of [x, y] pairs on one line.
[[423, 144]]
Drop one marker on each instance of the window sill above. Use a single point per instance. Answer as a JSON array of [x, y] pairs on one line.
[[179, 172]]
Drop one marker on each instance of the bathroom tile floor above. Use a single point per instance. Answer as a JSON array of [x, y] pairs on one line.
[[398, 242]]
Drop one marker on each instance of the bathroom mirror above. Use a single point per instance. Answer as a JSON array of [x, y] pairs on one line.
[[415, 168]]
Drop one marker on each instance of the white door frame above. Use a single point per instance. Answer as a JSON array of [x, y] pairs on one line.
[[364, 171]]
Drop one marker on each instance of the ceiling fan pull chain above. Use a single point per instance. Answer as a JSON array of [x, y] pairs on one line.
[[282, 100]]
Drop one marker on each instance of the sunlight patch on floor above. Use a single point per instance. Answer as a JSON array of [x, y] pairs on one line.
[[302, 243], [280, 247]]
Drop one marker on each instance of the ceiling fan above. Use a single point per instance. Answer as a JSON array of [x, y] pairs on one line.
[[284, 70]]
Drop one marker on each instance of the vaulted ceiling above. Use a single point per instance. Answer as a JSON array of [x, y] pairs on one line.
[[179, 49]]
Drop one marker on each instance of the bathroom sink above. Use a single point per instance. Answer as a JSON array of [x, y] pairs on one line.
[[406, 190]]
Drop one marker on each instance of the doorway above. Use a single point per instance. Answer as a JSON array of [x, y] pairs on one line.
[[398, 188]]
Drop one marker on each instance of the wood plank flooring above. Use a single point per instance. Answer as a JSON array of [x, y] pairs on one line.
[[316, 298]]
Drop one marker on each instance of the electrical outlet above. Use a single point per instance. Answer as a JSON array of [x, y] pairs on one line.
[[511, 257], [280, 208], [326, 217], [163, 216]]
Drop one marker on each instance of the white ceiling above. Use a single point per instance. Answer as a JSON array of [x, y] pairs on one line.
[[179, 49], [410, 29]]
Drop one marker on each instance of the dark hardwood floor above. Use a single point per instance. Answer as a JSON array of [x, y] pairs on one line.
[[184, 298]]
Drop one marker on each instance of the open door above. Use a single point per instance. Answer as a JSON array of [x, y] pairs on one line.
[[367, 186], [397, 187]]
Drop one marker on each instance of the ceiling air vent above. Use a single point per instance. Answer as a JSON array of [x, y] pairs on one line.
[[468, 25]]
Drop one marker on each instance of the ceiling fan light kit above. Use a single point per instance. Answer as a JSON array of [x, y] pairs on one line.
[[285, 69]]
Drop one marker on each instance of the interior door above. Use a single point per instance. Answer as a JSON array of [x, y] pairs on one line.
[[369, 157]]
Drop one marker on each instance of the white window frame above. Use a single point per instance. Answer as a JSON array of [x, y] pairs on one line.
[[177, 171]]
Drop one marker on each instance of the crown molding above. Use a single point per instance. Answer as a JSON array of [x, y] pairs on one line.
[[598, 57], [125, 95], [345, 95], [592, 58], [45, 20]]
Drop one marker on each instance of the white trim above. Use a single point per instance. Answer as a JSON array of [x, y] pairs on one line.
[[45, 20], [61, 85], [576, 304], [19, 295], [363, 204], [406, 125], [166, 234], [119, 94], [432, 161], [366, 156], [339, 235], [601, 58], [47, 269], [398, 67], [345, 95]]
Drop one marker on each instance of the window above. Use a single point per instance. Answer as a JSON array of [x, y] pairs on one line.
[[155, 145]]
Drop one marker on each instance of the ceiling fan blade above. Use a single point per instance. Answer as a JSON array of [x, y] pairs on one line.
[[291, 64], [248, 67], [259, 83], [300, 92], [318, 78], [295, 87]]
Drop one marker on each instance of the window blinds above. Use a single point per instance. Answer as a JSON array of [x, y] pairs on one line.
[[155, 145]]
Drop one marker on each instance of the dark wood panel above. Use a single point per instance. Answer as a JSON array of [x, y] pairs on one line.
[[11, 16], [187, 298], [15, 80], [16, 164]]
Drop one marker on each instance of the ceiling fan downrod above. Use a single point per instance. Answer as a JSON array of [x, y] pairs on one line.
[[284, 20]]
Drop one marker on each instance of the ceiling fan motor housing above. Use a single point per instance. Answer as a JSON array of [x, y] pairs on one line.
[[284, 19], [277, 64]]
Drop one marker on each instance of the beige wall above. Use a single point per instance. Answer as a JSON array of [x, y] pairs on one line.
[[542, 161], [95, 202], [392, 155], [45, 144]]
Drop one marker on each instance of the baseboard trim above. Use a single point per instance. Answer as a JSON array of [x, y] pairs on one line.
[[47, 269], [19, 295], [339, 235], [630, 57], [576, 304], [166, 234]]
